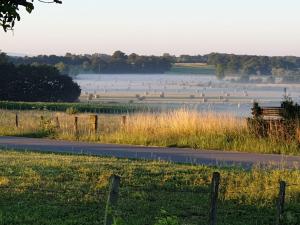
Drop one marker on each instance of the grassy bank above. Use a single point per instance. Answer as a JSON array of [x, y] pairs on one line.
[[180, 128], [64, 189], [192, 68]]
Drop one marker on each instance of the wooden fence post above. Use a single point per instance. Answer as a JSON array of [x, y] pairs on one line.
[[76, 124], [124, 121], [112, 199], [280, 203], [94, 122], [214, 198], [57, 122], [17, 120]]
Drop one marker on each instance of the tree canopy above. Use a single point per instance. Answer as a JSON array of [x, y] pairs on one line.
[[255, 65], [9, 11], [118, 62], [36, 84]]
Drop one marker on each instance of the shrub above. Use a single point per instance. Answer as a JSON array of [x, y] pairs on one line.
[[166, 219], [72, 110]]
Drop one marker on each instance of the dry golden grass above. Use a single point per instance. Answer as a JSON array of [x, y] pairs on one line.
[[181, 128], [58, 125], [184, 123]]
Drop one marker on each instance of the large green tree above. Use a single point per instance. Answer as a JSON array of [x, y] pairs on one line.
[[36, 84], [9, 11]]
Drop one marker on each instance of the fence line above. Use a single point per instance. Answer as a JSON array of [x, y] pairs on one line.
[[116, 190]]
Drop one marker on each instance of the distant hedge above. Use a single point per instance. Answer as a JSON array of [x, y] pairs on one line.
[[80, 107]]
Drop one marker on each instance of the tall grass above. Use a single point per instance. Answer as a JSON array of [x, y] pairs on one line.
[[170, 127], [181, 128], [208, 130]]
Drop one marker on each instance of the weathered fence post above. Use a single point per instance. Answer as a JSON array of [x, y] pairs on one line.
[[124, 121], [57, 122], [280, 203], [112, 199], [214, 198], [94, 122], [17, 120], [76, 125]]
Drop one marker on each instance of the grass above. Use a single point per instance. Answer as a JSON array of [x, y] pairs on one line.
[[192, 68], [180, 128], [62, 107], [39, 188]]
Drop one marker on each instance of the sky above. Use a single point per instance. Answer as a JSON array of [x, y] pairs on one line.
[[261, 27]]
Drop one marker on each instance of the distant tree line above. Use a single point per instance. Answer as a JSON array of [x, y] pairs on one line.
[[119, 62], [191, 59], [254, 65], [41, 83]]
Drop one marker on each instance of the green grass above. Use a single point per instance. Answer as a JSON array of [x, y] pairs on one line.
[[192, 68], [243, 142], [80, 107], [39, 188]]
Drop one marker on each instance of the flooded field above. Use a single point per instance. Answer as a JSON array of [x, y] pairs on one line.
[[168, 91]]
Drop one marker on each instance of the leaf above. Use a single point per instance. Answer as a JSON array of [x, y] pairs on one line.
[[29, 7]]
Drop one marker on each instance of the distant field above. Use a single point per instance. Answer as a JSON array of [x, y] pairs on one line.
[[54, 189], [192, 68]]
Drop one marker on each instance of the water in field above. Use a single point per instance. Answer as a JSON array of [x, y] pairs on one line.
[[168, 91]]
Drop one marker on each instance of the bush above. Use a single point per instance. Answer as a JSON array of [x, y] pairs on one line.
[[72, 111], [287, 128]]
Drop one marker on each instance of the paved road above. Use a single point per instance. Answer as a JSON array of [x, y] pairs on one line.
[[179, 155]]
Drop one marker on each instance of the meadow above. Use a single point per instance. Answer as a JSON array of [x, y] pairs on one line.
[[40, 188], [180, 128]]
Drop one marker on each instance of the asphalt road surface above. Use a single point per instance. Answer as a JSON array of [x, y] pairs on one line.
[[178, 155]]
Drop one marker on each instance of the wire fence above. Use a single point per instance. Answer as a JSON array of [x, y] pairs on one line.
[[67, 124], [146, 204]]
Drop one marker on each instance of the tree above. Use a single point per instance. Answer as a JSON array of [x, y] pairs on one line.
[[36, 84], [220, 71], [3, 58], [9, 11], [119, 55], [62, 68]]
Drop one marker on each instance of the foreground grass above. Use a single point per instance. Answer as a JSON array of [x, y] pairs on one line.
[[38, 188], [180, 128]]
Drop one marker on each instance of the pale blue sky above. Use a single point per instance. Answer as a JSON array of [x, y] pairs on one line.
[[264, 27]]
